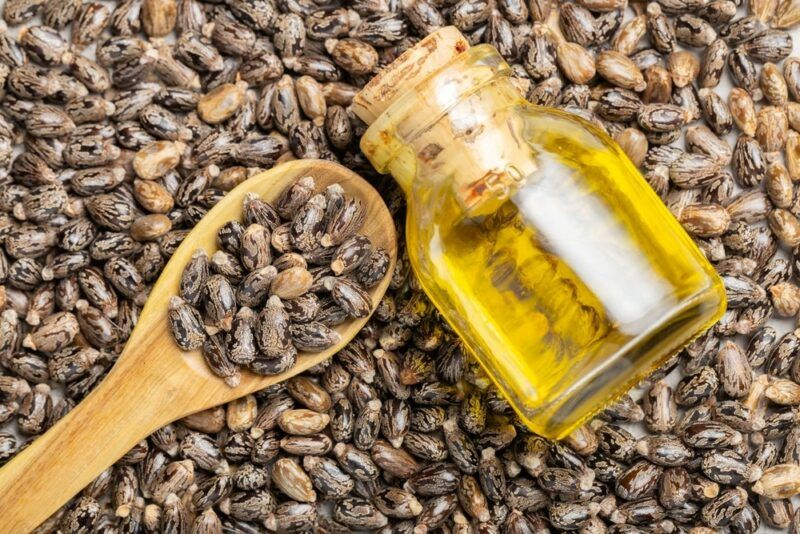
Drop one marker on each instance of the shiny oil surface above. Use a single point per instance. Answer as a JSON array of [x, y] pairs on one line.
[[572, 283], [540, 243]]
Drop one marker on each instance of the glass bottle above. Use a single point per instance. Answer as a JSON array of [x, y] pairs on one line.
[[533, 234]]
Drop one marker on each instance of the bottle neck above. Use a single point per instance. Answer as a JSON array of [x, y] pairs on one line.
[[460, 128]]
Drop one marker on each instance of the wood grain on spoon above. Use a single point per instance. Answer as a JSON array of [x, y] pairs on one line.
[[153, 381]]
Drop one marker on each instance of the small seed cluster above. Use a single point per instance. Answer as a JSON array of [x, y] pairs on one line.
[[280, 284], [122, 123]]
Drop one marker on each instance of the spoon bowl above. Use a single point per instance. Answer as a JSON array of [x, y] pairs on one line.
[[155, 382]]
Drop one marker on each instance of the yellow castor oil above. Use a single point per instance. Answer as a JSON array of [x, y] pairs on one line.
[[533, 234]]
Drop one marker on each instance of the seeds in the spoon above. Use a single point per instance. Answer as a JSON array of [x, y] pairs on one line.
[[186, 323], [268, 341]]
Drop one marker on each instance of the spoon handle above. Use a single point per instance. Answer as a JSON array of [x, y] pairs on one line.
[[57, 465]]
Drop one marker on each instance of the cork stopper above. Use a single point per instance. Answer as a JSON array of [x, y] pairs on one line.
[[407, 71]]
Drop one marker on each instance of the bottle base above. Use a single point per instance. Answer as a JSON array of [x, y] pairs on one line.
[[607, 381]]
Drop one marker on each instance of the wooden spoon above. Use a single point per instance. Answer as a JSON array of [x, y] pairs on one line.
[[153, 382]]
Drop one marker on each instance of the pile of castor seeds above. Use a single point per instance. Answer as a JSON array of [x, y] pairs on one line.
[[112, 119], [280, 285]]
